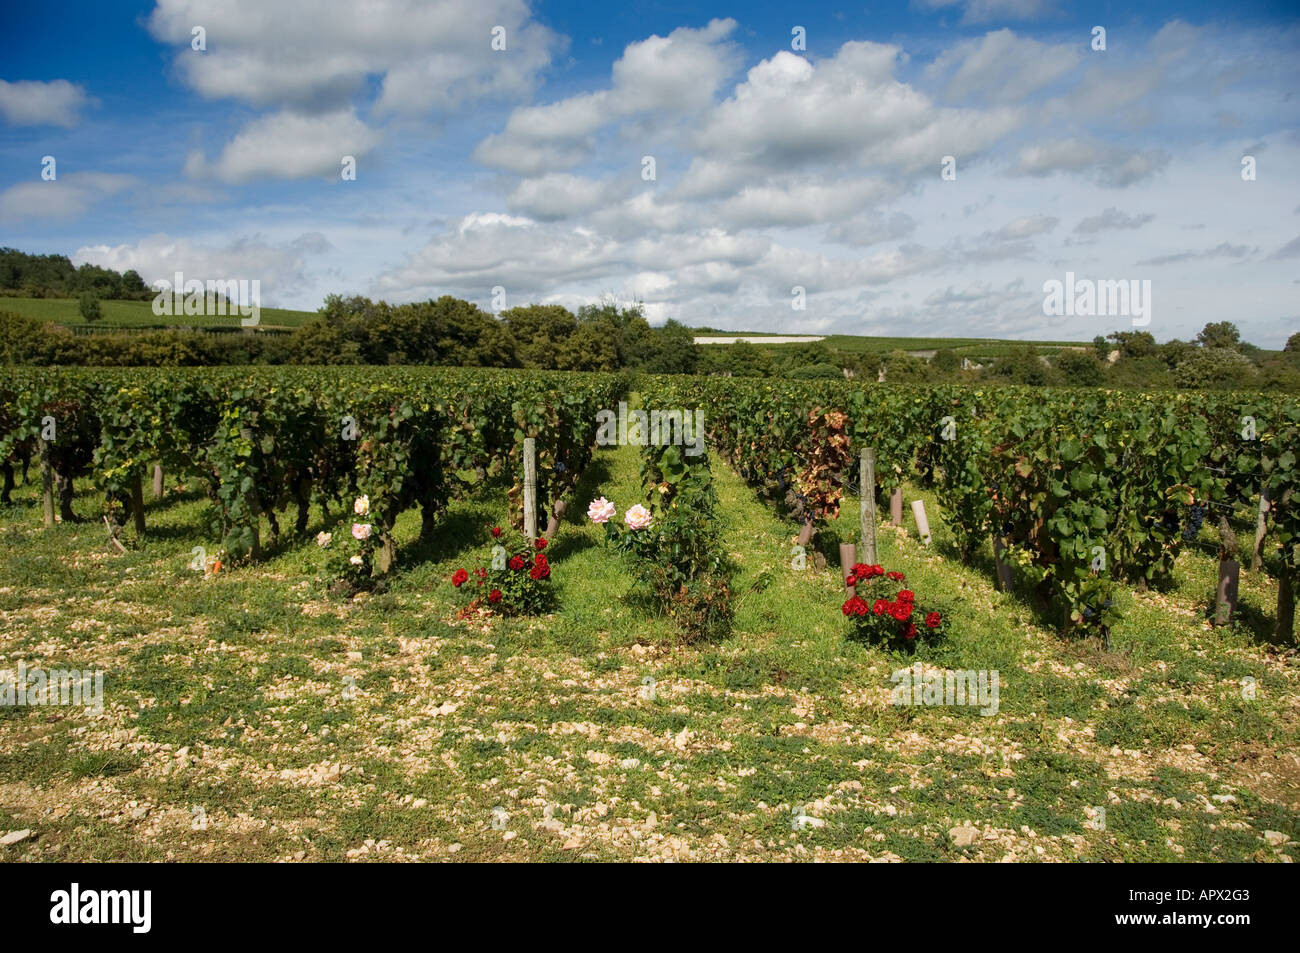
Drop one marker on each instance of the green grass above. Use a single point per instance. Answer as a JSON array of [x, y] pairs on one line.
[[390, 728], [135, 314]]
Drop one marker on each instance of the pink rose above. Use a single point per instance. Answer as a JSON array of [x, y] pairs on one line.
[[360, 530], [637, 517], [601, 511]]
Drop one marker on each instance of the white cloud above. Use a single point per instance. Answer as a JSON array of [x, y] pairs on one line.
[[982, 11], [288, 146], [282, 268], [32, 103], [1001, 67], [675, 74], [68, 196], [315, 54], [1112, 166]]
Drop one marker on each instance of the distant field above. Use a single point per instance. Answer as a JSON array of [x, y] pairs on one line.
[[134, 314], [978, 349], [964, 347]]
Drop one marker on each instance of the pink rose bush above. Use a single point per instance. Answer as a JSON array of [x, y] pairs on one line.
[[350, 561]]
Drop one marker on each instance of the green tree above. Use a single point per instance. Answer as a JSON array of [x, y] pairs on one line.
[[89, 307], [675, 350], [1293, 342], [1219, 334], [903, 368], [1080, 369], [1022, 365], [1132, 344], [591, 347], [946, 360], [1175, 352], [539, 330], [1215, 367]]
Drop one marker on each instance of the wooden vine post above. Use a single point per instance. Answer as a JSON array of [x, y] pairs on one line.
[[47, 481], [157, 480], [530, 488], [896, 506], [867, 506]]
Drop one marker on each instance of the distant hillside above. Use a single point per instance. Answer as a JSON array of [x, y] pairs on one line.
[[138, 314]]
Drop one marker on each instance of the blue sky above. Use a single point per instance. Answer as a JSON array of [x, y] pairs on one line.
[[775, 168]]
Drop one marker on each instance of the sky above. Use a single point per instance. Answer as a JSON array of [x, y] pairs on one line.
[[908, 169]]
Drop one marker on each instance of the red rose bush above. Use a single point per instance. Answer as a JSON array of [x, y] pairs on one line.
[[896, 622], [517, 581]]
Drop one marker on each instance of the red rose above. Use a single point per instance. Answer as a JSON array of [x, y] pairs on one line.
[[458, 579], [906, 595], [855, 606], [496, 532], [850, 580], [896, 576], [494, 595], [541, 543], [910, 631], [540, 571], [877, 570], [881, 607], [933, 620], [902, 611], [517, 562], [481, 573]]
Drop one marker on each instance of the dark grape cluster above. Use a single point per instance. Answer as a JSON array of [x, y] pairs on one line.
[[1195, 516]]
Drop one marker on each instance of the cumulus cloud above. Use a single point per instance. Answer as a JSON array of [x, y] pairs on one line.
[[674, 74], [68, 196], [282, 268], [314, 56], [31, 103], [850, 108], [288, 146]]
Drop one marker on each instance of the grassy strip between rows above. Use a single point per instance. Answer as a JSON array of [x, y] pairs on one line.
[[249, 717]]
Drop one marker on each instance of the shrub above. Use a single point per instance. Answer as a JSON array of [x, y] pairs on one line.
[[518, 582], [89, 307], [894, 623], [675, 541], [1080, 369], [351, 557]]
